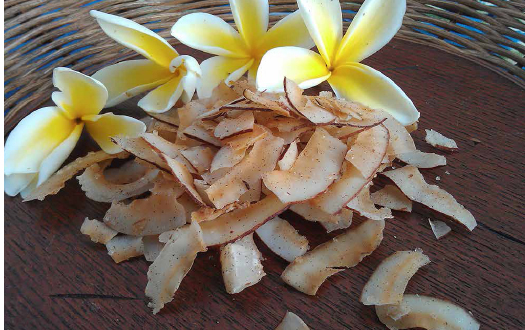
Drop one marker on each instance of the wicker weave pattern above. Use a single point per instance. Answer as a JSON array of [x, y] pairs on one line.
[[41, 35]]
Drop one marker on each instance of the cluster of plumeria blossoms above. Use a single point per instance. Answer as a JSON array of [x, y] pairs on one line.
[[42, 141]]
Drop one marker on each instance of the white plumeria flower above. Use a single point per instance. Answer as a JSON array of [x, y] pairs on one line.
[[43, 140], [172, 77], [374, 26], [241, 51]]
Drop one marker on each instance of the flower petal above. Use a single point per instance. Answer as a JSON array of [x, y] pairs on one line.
[[217, 69], [305, 67], [130, 78], [15, 183], [361, 83], [59, 155], [289, 31], [209, 34], [251, 19], [34, 138], [103, 127], [374, 25], [324, 21], [164, 97], [189, 64], [80, 95], [136, 37]]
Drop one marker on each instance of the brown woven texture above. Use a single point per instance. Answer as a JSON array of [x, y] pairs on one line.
[[41, 35]]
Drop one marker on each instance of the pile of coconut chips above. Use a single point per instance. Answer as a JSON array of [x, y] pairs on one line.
[[215, 171]]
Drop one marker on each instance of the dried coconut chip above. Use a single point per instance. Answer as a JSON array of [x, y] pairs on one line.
[[128, 172], [345, 220], [234, 126], [246, 140], [160, 146], [289, 157], [439, 141], [201, 186], [172, 264], [211, 213], [439, 228], [170, 118], [428, 313], [140, 149], [414, 186], [57, 181], [292, 322], [200, 157], [263, 99], [388, 282], [184, 177], [97, 231], [241, 264], [362, 204], [282, 238], [287, 124], [200, 134], [368, 150], [124, 247], [149, 216], [227, 157], [234, 225], [422, 159], [311, 212], [308, 272], [390, 196], [317, 166], [152, 247], [97, 188], [166, 131]]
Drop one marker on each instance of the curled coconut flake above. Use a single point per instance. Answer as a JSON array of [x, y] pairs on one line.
[[362, 204], [439, 141], [140, 149], [308, 272], [152, 247], [57, 181], [428, 313], [184, 177], [422, 159], [283, 239], [387, 284], [97, 231], [439, 228], [345, 220], [414, 186], [390, 196], [172, 264], [211, 213], [200, 157], [289, 157], [233, 126], [241, 264], [292, 322], [368, 150], [124, 247], [227, 157]]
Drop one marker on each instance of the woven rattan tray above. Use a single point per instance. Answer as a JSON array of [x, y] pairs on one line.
[[41, 35]]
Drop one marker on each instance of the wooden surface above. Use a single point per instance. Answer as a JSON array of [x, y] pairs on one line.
[[55, 278]]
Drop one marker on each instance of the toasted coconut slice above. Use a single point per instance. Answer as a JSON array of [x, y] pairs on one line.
[[200, 157], [241, 264], [413, 185], [335, 105], [184, 177], [428, 313], [234, 126], [198, 133], [211, 213], [439, 228], [97, 188], [172, 150], [289, 157], [241, 222], [152, 247], [128, 172], [266, 101], [300, 133], [190, 112], [211, 178], [341, 191], [308, 272], [390, 196], [282, 238], [315, 169], [388, 282], [166, 131], [422, 159], [316, 114], [344, 221], [170, 117], [396, 311], [124, 247], [149, 216], [292, 322], [362, 204], [97, 231], [227, 157], [244, 141], [368, 150], [311, 212], [439, 141], [201, 186], [57, 181], [287, 124], [247, 174], [172, 264], [141, 149]]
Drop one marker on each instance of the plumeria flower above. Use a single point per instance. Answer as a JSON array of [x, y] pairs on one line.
[[43, 140], [167, 74], [241, 51], [375, 24]]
